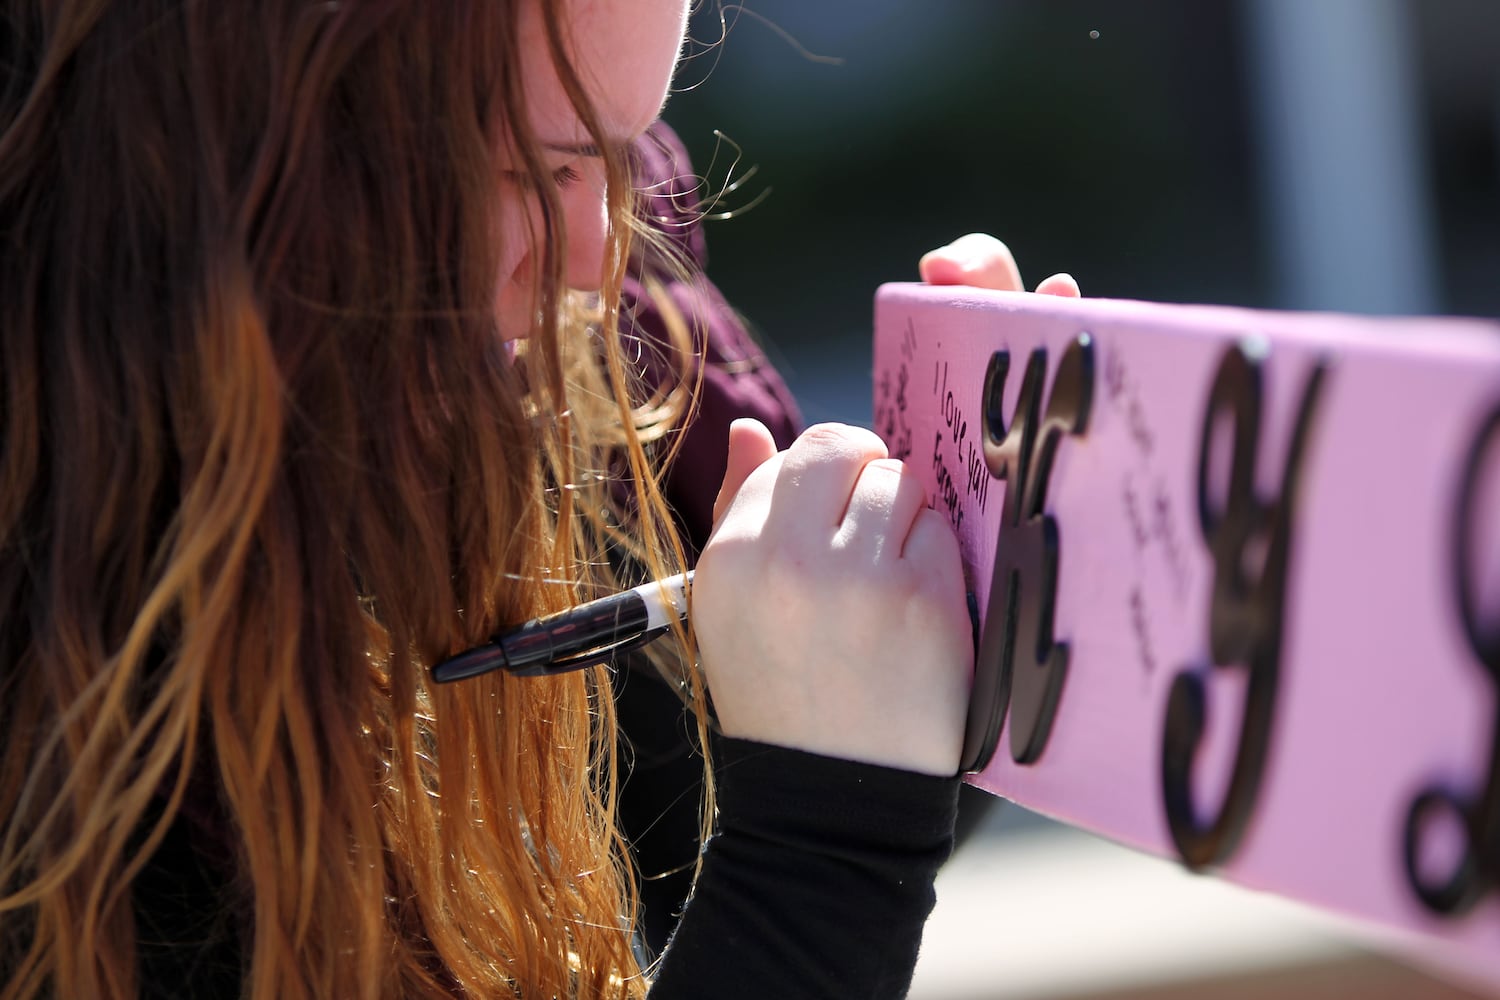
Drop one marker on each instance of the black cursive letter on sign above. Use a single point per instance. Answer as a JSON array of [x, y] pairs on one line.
[[1478, 868], [1245, 614], [1017, 649]]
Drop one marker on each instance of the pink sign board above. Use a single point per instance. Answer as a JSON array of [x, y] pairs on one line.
[[1238, 582]]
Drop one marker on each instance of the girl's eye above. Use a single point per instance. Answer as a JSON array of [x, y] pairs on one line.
[[563, 176]]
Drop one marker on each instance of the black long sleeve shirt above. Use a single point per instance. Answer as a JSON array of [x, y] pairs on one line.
[[816, 885]]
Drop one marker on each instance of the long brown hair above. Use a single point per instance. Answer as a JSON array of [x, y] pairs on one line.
[[263, 460]]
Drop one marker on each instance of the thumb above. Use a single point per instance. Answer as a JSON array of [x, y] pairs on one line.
[[750, 447], [978, 260]]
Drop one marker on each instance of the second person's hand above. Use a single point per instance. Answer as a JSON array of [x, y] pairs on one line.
[[981, 261]]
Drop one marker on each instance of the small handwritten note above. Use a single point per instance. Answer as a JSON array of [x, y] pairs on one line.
[[957, 456], [891, 399], [954, 443], [1150, 515]]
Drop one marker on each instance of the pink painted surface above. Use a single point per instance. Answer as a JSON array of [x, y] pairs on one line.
[[1381, 694]]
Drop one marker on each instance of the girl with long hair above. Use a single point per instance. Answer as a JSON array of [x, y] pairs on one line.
[[296, 400]]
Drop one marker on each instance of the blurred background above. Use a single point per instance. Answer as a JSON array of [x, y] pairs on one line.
[[1338, 154], [1306, 154]]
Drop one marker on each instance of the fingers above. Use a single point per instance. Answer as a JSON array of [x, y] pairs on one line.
[[978, 260], [817, 480], [1061, 285], [834, 487], [750, 447], [981, 261], [835, 484], [887, 499]]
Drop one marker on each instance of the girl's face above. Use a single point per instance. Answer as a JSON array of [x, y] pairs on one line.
[[624, 51]]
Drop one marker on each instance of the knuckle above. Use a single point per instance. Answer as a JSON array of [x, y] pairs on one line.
[[843, 438], [887, 465]]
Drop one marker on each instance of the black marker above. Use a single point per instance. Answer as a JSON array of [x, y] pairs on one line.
[[579, 637]]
